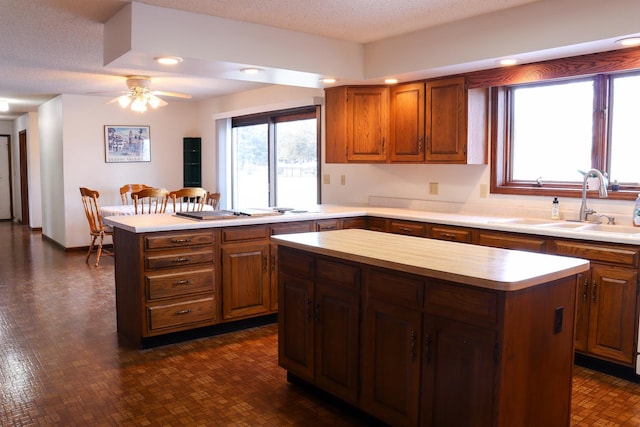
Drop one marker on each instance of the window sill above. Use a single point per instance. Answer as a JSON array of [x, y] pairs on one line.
[[557, 191]]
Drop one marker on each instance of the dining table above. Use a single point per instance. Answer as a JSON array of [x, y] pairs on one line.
[[117, 210]]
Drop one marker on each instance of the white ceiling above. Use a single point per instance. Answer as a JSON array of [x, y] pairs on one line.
[[51, 47]]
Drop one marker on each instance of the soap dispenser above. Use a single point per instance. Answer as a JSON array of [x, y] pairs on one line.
[[555, 209]]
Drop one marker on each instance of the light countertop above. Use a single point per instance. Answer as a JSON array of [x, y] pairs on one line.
[[481, 266], [170, 222]]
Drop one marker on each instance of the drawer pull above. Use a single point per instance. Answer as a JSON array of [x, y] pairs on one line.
[[329, 227], [183, 282], [181, 312], [180, 240], [448, 236], [408, 230], [182, 259]]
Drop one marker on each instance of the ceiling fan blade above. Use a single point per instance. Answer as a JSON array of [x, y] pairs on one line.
[[172, 94]]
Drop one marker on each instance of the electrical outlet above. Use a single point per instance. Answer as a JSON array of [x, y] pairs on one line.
[[343, 179], [484, 191], [433, 188], [326, 179]]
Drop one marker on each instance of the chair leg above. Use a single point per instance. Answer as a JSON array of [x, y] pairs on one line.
[[93, 241], [99, 250]]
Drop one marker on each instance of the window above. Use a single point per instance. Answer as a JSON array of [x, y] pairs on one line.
[[548, 132], [274, 159]]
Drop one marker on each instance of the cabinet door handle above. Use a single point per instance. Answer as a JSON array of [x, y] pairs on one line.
[[427, 348], [585, 293], [412, 344], [182, 259], [265, 264], [309, 309], [316, 316], [273, 262], [594, 291]]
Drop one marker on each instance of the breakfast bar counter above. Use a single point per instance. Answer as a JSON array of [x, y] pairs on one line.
[[421, 332]]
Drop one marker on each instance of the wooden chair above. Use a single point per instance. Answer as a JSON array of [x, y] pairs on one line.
[[127, 189], [188, 199], [150, 200], [213, 199], [96, 229]]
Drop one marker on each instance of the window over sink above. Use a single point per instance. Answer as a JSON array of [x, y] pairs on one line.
[[547, 131]]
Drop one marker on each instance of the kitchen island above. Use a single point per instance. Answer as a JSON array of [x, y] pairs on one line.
[[426, 332]]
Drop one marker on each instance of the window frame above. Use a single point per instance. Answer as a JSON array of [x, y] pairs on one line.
[[602, 66], [271, 118]]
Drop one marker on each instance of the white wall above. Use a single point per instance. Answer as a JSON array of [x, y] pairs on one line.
[[73, 156]]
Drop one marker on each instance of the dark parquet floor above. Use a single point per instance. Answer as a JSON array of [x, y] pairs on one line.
[[61, 363]]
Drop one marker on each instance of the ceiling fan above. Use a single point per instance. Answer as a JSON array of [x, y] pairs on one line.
[[139, 95]]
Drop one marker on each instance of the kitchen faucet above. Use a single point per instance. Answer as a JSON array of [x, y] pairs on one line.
[[602, 192]]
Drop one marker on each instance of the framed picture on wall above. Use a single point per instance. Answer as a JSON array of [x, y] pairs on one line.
[[127, 144]]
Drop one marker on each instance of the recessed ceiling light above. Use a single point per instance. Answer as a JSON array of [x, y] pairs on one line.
[[251, 70], [629, 41], [391, 81], [508, 61], [168, 60], [4, 106], [328, 80]]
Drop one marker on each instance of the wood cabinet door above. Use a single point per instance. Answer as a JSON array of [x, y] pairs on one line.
[[245, 279], [583, 299], [406, 140], [612, 315], [458, 374], [296, 325], [283, 228], [367, 123], [337, 341], [391, 362], [446, 121]]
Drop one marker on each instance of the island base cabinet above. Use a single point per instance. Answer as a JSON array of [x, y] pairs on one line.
[[318, 323], [391, 363], [458, 374]]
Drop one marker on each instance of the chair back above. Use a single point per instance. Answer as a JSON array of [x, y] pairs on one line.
[[127, 189], [150, 200], [91, 209], [213, 199], [188, 199]]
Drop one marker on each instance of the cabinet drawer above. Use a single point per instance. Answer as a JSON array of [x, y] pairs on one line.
[[461, 303], [180, 313], [377, 224], [165, 240], [451, 234], [338, 273], [507, 241], [396, 288], [291, 227], [246, 232], [328, 225], [295, 263], [178, 284], [408, 228], [595, 252], [179, 258]]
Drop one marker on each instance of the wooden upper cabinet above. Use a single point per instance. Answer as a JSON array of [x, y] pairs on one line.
[[407, 123], [456, 122], [357, 124], [439, 121], [367, 123]]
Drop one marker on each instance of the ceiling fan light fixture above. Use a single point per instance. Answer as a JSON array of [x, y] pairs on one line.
[[139, 105], [4, 106], [168, 60], [124, 101]]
